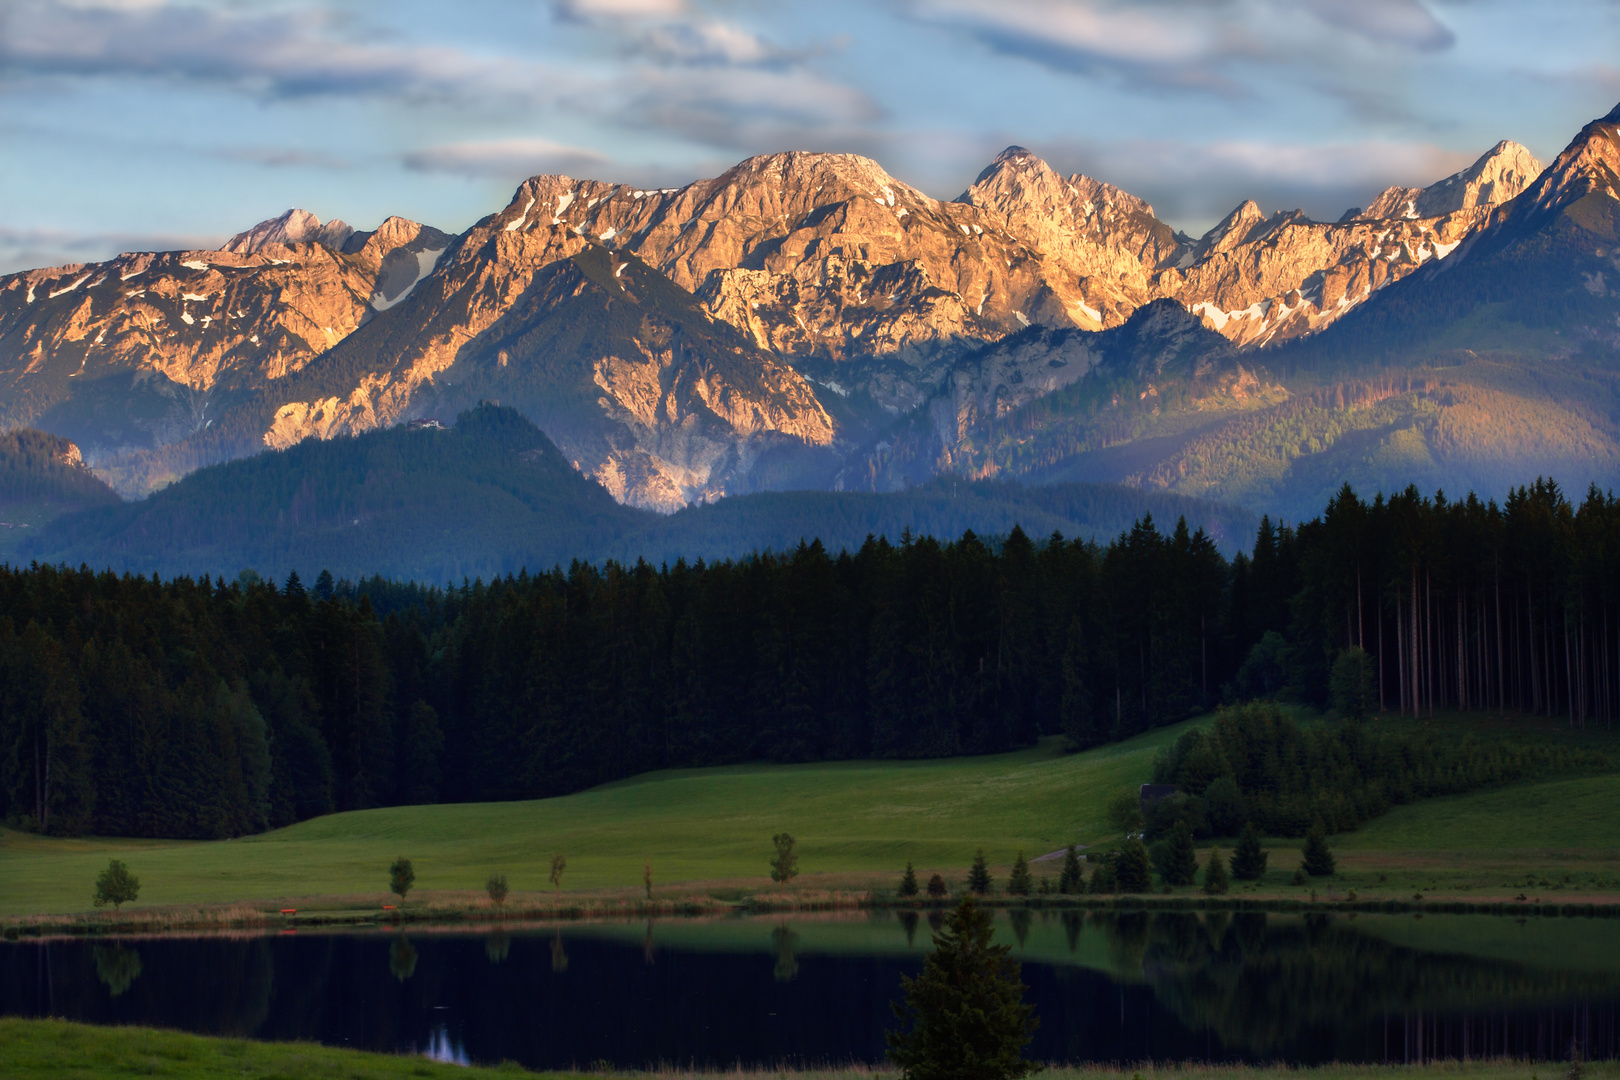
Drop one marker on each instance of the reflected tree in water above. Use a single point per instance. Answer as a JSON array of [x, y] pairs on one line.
[[908, 923], [649, 948], [1020, 919], [1071, 929], [559, 956], [785, 944], [497, 946], [402, 958], [117, 967]]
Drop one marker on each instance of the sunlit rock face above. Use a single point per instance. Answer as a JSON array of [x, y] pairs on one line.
[[672, 340]]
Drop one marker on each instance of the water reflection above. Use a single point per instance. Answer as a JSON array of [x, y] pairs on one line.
[[117, 967], [784, 944], [402, 958], [1108, 986]]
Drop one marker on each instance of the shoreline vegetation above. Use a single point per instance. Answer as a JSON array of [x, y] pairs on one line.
[[452, 909], [36, 1049]]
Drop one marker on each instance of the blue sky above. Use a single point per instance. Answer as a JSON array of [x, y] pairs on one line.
[[128, 124]]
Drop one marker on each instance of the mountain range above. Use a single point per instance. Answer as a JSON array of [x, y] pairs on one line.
[[806, 321]]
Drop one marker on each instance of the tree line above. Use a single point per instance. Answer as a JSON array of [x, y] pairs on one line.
[[190, 707]]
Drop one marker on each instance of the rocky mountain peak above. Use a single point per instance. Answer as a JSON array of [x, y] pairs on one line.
[[1498, 176], [294, 227], [1589, 165]]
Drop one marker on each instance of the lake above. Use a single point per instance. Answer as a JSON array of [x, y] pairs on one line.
[[807, 989]]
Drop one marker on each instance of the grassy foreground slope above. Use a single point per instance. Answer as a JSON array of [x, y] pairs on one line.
[[59, 1050], [701, 824]]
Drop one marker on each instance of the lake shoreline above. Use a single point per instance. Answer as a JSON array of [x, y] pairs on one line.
[[361, 912]]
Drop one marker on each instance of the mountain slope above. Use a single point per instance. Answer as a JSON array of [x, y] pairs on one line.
[[493, 495], [757, 330]]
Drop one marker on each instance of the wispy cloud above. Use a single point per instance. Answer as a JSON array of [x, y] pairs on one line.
[[289, 53], [26, 249], [506, 158], [1187, 45], [1194, 184]]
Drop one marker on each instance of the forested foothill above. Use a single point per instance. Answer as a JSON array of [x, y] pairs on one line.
[[206, 708]]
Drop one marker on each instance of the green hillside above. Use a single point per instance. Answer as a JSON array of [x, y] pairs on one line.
[[856, 823], [694, 825]]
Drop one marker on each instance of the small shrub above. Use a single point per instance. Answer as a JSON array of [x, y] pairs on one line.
[[785, 863], [558, 865], [401, 876], [496, 887], [936, 887]]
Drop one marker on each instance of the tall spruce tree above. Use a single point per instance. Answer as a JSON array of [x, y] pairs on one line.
[[1020, 882], [908, 881], [1179, 862], [1133, 870], [1316, 859], [1216, 880], [979, 875], [1072, 880], [966, 1012], [1249, 858]]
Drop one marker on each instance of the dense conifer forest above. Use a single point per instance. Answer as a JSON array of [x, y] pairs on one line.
[[204, 708]]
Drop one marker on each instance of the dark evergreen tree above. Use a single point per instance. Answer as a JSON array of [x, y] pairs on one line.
[[908, 881], [1133, 870], [979, 875], [965, 1013], [1020, 882], [936, 887], [1216, 880], [1249, 858], [1178, 861], [1316, 860], [1072, 880]]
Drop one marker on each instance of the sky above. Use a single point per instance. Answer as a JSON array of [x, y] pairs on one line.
[[153, 124]]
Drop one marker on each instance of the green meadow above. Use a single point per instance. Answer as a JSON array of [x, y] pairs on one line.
[[856, 823], [708, 825], [58, 1050]]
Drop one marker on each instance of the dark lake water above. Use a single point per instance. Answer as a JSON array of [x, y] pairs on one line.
[[807, 990]]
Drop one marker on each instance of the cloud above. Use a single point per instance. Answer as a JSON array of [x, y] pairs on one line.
[[1194, 184], [1194, 45], [749, 108], [287, 53], [591, 10], [1403, 23], [282, 157], [503, 158], [707, 43], [1159, 43], [28, 249]]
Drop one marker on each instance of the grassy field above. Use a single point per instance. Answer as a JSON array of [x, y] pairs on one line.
[[57, 1050], [850, 818], [707, 832]]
